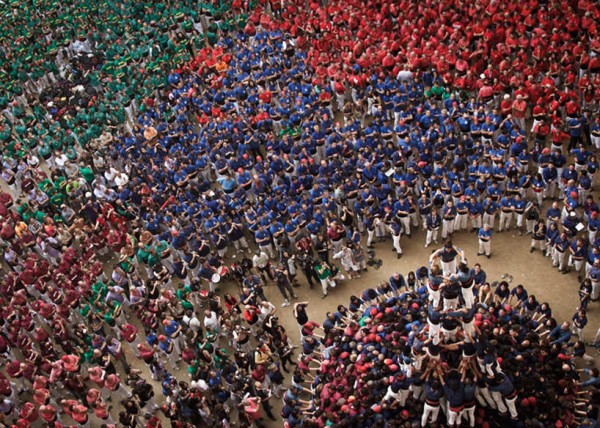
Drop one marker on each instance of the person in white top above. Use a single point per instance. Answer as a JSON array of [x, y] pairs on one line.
[[211, 321], [121, 179], [266, 308], [345, 258]]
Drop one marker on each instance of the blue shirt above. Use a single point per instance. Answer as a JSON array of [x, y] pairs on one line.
[[171, 328], [449, 212], [559, 335], [433, 221], [484, 235]]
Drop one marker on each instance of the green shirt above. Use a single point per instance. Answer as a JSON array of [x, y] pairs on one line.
[[87, 173]]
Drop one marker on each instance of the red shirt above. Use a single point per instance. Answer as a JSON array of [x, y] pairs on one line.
[[128, 332], [47, 412], [519, 107], [79, 413]]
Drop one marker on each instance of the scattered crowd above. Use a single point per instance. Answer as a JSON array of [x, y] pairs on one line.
[[149, 147]]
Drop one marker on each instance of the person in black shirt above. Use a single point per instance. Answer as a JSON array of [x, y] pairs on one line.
[[322, 247], [264, 399], [307, 265], [300, 313]]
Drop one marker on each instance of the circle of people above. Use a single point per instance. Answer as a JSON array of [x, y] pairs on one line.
[[245, 125]]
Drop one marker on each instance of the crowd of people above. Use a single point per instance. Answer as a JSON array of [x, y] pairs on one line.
[[148, 147], [442, 347]]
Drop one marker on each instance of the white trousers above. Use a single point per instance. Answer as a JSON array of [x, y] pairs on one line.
[[476, 222], [468, 297], [558, 259], [489, 219], [460, 222], [405, 225], [428, 411], [447, 228], [396, 241], [485, 247], [434, 296], [505, 219], [449, 268], [432, 235], [468, 413]]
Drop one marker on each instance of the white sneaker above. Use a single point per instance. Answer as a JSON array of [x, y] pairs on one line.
[[285, 304]]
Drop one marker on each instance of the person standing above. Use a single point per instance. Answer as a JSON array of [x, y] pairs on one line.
[[485, 237], [322, 247], [300, 314], [433, 393], [397, 283], [336, 235], [263, 240], [425, 208], [455, 397], [447, 254], [462, 213], [448, 219], [559, 252], [307, 265], [594, 276], [432, 224], [235, 232], [538, 236], [261, 262], [532, 216], [506, 213], [466, 279], [578, 253], [402, 211], [490, 209], [283, 283], [519, 211], [324, 274], [475, 213], [263, 394], [504, 394], [395, 228], [579, 322]]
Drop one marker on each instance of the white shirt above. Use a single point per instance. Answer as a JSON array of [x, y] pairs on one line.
[[211, 321], [121, 179], [261, 260]]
